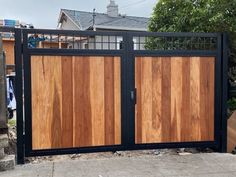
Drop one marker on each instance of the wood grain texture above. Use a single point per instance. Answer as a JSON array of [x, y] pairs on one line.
[[175, 99], [75, 101], [8, 47], [67, 101], [46, 101], [185, 112], [207, 98], [195, 98], [117, 99], [97, 100]]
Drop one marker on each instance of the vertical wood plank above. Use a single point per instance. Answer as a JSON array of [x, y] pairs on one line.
[[207, 98], [138, 106], [166, 99], [36, 67], [117, 99], [211, 100], [195, 98], [176, 98], [204, 98], [109, 100], [82, 106], [185, 111], [146, 81], [156, 100], [97, 93], [67, 101], [56, 84]]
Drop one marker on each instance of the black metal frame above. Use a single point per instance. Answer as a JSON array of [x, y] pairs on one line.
[[19, 96], [128, 100], [224, 93]]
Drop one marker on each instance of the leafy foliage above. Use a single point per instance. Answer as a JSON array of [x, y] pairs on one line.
[[232, 105], [198, 16]]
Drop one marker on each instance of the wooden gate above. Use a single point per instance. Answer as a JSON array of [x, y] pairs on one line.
[[175, 99], [75, 101], [108, 91]]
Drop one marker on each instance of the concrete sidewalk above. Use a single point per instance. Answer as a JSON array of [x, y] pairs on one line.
[[197, 165]]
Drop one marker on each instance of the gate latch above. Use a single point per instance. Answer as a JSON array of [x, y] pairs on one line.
[[133, 96]]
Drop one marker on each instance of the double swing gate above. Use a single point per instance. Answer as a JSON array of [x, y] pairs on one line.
[[87, 91]]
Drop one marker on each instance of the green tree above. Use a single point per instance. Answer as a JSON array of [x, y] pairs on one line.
[[198, 16]]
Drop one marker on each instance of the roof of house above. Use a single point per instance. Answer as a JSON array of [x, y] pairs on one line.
[[102, 21]]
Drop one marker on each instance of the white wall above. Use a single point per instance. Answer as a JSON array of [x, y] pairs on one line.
[[68, 25]]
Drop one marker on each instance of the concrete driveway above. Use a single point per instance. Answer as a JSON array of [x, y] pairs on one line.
[[197, 165]]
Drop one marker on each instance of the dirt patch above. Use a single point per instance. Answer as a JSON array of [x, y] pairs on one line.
[[11, 149], [101, 155], [104, 155]]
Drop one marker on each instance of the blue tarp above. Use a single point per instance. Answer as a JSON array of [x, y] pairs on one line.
[[34, 40], [9, 23]]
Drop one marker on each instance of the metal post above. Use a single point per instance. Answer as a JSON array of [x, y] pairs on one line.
[[3, 104], [124, 95], [130, 89], [224, 92], [19, 94]]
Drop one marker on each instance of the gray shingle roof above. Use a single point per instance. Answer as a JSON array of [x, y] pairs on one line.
[[85, 20]]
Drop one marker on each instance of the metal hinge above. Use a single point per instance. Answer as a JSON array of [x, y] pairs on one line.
[[133, 96]]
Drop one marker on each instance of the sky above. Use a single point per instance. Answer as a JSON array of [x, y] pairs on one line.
[[45, 13]]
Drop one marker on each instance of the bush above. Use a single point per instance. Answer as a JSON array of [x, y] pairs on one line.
[[232, 105], [197, 16]]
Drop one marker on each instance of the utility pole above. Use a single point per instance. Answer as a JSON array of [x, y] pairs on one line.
[[3, 104]]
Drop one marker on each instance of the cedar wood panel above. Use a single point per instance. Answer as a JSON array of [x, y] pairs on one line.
[[8, 47], [175, 99], [76, 101]]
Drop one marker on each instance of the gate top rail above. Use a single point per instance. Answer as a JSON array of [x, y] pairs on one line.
[[71, 32], [116, 40], [69, 41], [167, 34]]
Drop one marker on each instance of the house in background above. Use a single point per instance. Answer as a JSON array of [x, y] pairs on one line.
[[110, 21]]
